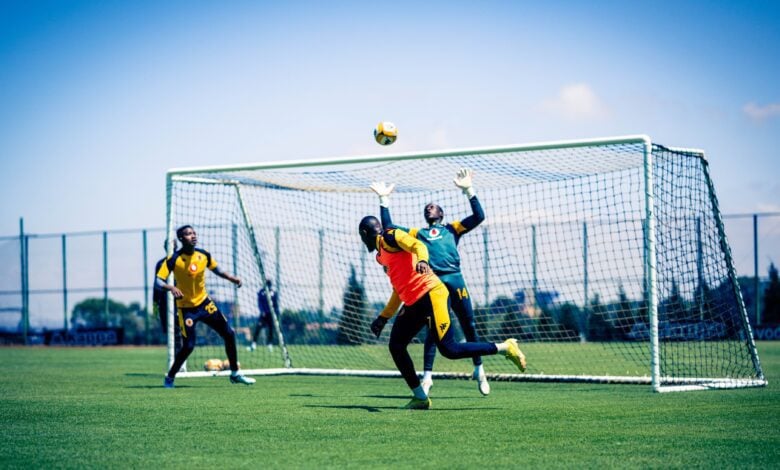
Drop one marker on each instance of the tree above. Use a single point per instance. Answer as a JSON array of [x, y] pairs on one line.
[[705, 307], [293, 324], [508, 310], [624, 312], [570, 317], [599, 328], [91, 313], [353, 325], [673, 308], [771, 300], [546, 326], [747, 287]]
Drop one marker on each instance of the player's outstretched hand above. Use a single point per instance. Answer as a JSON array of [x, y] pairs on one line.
[[177, 294], [382, 190], [463, 180], [378, 325], [423, 267]]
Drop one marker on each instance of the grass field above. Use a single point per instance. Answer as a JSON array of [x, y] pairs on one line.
[[106, 408]]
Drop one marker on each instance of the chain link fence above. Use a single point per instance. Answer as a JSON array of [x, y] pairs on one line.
[[110, 274]]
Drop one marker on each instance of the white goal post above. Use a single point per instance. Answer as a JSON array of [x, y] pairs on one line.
[[606, 258]]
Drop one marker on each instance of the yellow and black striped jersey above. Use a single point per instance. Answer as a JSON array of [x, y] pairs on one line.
[[189, 271]]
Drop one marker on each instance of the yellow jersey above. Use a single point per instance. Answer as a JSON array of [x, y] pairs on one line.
[[189, 272]]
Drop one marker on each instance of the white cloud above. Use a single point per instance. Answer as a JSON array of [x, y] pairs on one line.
[[761, 113], [767, 207], [576, 102]]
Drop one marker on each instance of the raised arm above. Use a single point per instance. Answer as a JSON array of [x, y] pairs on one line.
[[463, 180], [383, 190]]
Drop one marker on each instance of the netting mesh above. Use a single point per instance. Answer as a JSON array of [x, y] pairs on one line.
[[558, 263]]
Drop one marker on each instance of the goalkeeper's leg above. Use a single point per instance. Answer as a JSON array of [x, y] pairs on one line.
[[460, 301], [451, 349], [445, 339], [429, 355]]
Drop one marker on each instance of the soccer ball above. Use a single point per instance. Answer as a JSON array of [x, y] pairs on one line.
[[226, 364], [212, 365], [385, 133]]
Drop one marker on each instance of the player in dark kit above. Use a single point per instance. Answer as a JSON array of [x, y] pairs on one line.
[[188, 267], [442, 243], [160, 304], [265, 318], [425, 301]]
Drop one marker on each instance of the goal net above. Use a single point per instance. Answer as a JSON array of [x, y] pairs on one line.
[[606, 259]]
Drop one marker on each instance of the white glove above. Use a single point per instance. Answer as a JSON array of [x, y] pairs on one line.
[[383, 190], [463, 181]]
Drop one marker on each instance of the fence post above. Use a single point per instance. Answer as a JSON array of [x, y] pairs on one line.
[[534, 261], [146, 287], [700, 269], [585, 300], [486, 264], [23, 272], [756, 281], [105, 277], [236, 313], [322, 275], [64, 282], [277, 256]]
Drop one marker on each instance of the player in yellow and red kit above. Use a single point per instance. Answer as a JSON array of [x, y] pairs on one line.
[[426, 302]]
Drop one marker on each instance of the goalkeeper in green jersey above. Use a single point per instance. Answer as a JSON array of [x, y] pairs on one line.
[[442, 242]]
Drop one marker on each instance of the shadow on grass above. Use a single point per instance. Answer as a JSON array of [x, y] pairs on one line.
[[378, 409], [433, 397], [156, 386]]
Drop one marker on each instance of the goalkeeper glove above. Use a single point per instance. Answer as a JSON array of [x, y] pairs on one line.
[[378, 325], [383, 190], [463, 181]]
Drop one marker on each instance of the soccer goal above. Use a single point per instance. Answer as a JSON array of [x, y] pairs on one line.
[[606, 258]]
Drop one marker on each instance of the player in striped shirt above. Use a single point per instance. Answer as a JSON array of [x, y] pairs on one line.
[[425, 302], [188, 266]]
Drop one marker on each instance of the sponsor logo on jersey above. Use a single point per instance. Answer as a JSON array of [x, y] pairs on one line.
[[434, 234]]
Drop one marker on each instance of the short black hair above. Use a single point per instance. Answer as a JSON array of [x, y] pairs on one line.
[[368, 229], [180, 231]]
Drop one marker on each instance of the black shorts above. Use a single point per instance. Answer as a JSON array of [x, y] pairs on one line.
[[207, 312]]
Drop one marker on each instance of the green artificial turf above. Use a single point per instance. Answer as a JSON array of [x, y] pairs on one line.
[[106, 408]]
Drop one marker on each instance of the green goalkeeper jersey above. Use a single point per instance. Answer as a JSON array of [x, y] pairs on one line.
[[442, 239]]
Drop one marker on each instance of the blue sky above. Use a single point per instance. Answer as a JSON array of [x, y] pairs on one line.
[[99, 99]]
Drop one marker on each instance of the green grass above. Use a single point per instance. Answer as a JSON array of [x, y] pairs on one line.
[[105, 407]]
